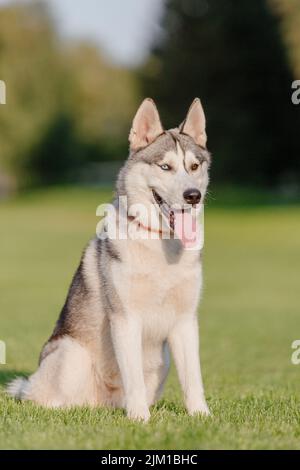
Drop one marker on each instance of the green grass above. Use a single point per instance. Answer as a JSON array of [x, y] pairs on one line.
[[249, 317]]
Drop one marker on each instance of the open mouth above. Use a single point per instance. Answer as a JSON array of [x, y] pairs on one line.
[[169, 213], [182, 221], [165, 209]]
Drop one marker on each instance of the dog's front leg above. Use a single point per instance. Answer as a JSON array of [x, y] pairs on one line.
[[184, 344], [127, 340]]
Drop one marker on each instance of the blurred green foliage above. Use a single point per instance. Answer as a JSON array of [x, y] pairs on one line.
[[240, 58], [66, 106], [289, 14]]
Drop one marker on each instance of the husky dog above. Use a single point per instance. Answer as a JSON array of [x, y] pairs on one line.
[[133, 300]]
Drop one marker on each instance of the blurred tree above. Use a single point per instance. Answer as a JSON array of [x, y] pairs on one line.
[[289, 12], [102, 101], [32, 70], [53, 157], [230, 54], [65, 105]]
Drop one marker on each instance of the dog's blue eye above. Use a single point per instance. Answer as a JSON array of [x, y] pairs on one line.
[[165, 167]]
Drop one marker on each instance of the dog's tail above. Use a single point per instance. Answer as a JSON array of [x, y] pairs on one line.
[[17, 388]]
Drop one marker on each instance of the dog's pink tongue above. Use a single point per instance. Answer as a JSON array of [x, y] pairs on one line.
[[186, 228]]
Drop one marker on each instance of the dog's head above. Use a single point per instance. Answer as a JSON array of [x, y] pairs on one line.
[[165, 169]]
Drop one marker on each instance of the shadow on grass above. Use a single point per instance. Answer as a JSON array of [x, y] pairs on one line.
[[8, 375]]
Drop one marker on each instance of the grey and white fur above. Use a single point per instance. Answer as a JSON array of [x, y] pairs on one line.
[[132, 301]]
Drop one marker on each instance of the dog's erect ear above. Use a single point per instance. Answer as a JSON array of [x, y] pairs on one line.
[[146, 126], [194, 124]]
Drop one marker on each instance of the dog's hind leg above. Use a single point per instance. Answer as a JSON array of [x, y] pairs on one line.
[[64, 378]]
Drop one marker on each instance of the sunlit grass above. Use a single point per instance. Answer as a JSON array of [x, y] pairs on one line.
[[249, 318]]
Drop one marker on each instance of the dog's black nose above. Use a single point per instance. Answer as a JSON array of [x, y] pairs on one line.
[[192, 196]]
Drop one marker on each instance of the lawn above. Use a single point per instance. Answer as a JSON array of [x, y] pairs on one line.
[[249, 316]]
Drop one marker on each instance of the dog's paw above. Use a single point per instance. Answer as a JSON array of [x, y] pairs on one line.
[[201, 410], [138, 413]]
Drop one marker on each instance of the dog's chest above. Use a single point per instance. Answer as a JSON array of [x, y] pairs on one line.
[[157, 290]]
